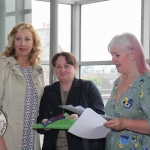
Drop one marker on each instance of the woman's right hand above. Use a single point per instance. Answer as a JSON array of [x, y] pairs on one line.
[[44, 121]]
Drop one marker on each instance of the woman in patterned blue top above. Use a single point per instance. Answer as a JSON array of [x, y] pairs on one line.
[[129, 102]]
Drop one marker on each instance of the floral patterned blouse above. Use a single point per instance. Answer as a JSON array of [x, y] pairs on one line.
[[133, 104]]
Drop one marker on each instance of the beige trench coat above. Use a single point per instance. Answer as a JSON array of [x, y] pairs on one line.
[[12, 98]]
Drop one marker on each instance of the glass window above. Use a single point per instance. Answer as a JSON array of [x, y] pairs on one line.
[[27, 18], [103, 20], [46, 73], [10, 22], [64, 27], [27, 4], [41, 22], [10, 5], [103, 77]]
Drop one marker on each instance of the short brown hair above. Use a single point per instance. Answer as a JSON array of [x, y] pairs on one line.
[[35, 52], [69, 57]]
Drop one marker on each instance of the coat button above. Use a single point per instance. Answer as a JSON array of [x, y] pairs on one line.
[[50, 112]]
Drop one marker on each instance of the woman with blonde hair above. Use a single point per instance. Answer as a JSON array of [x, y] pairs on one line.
[[22, 84]]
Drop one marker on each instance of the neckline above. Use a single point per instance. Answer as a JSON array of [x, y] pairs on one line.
[[131, 85], [24, 67]]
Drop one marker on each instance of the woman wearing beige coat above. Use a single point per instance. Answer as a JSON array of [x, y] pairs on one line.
[[22, 84]]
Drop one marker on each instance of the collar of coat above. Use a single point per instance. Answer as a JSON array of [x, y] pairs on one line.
[[10, 61], [73, 93]]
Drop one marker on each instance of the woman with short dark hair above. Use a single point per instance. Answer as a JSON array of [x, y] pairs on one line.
[[68, 90]]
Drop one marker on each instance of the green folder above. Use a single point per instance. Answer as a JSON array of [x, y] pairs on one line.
[[59, 124]]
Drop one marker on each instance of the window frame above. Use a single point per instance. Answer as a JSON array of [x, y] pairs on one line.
[[76, 30]]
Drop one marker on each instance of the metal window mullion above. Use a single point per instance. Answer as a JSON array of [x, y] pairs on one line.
[[75, 32], [53, 35], [3, 24], [146, 27]]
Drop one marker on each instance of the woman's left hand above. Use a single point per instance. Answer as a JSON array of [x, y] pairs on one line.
[[116, 124]]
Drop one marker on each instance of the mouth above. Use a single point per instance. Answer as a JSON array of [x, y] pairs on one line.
[[117, 65], [62, 74], [22, 49]]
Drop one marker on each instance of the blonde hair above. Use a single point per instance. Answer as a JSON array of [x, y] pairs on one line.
[[36, 50]]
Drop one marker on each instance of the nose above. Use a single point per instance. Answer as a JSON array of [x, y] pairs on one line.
[[62, 69], [22, 42], [113, 59]]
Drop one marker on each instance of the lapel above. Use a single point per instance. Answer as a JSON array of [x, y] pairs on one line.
[[37, 70], [12, 63], [56, 95], [74, 92]]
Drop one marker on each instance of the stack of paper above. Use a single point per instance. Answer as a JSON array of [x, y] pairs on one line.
[[90, 124]]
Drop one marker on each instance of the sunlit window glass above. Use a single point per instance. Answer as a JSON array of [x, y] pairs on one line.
[[103, 77], [102, 20], [46, 73], [41, 21], [64, 27]]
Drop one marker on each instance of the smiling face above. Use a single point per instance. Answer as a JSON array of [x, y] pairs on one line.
[[23, 43], [64, 71], [122, 59]]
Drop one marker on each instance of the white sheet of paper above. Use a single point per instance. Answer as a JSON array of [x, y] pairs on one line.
[[78, 109], [89, 125]]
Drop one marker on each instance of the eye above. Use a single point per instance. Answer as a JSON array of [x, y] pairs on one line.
[[66, 66], [17, 38], [117, 55], [27, 39], [57, 67]]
